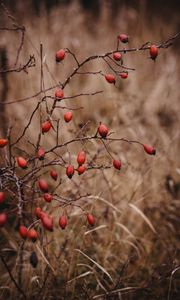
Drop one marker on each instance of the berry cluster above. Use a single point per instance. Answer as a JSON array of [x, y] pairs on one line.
[[26, 170]]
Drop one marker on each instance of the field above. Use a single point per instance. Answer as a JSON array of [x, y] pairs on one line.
[[132, 251]]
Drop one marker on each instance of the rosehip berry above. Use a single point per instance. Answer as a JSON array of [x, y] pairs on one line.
[[37, 212], [149, 150], [23, 231], [46, 126], [3, 142], [70, 171], [81, 170], [54, 174], [123, 38], [48, 197], [110, 78], [63, 222], [32, 234], [81, 158], [60, 55], [68, 116], [41, 153], [43, 185], [2, 197], [22, 162], [117, 164], [90, 219], [43, 214], [117, 56], [47, 222], [153, 52], [3, 219], [103, 130], [124, 75], [59, 94]]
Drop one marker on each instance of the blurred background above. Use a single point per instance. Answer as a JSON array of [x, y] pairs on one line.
[[137, 210]]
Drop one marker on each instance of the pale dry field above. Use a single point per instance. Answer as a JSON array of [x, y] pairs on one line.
[[135, 241]]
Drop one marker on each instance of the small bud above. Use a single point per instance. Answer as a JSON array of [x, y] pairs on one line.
[[3, 142], [149, 150], [32, 235], [23, 231], [43, 185], [22, 162], [117, 56], [3, 219], [81, 158], [124, 75], [123, 38], [47, 222], [46, 126], [103, 130], [81, 169], [37, 212], [68, 116], [48, 197], [59, 94], [90, 219], [153, 51], [2, 197], [54, 174], [110, 78], [63, 222], [70, 171], [60, 55], [117, 164], [41, 153]]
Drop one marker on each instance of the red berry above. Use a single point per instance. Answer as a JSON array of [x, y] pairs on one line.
[[46, 126], [54, 174], [110, 78], [48, 197], [43, 185], [123, 38], [32, 234], [117, 164], [23, 231], [153, 52], [43, 214], [117, 56], [63, 222], [22, 162], [60, 55], [103, 130], [3, 219], [81, 158], [37, 212], [41, 153], [70, 171], [68, 116], [3, 142], [124, 75], [81, 170], [149, 150], [90, 219], [59, 94], [2, 197], [47, 222]]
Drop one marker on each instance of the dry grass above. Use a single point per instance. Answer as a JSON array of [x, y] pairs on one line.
[[133, 250]]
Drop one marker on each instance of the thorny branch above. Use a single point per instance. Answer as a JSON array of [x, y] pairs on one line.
[[144, 47]]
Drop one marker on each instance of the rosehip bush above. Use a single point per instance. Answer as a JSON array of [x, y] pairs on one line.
[[34, 173], [33, 180]]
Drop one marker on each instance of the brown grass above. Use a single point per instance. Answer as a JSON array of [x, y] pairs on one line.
[[133, 250]]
